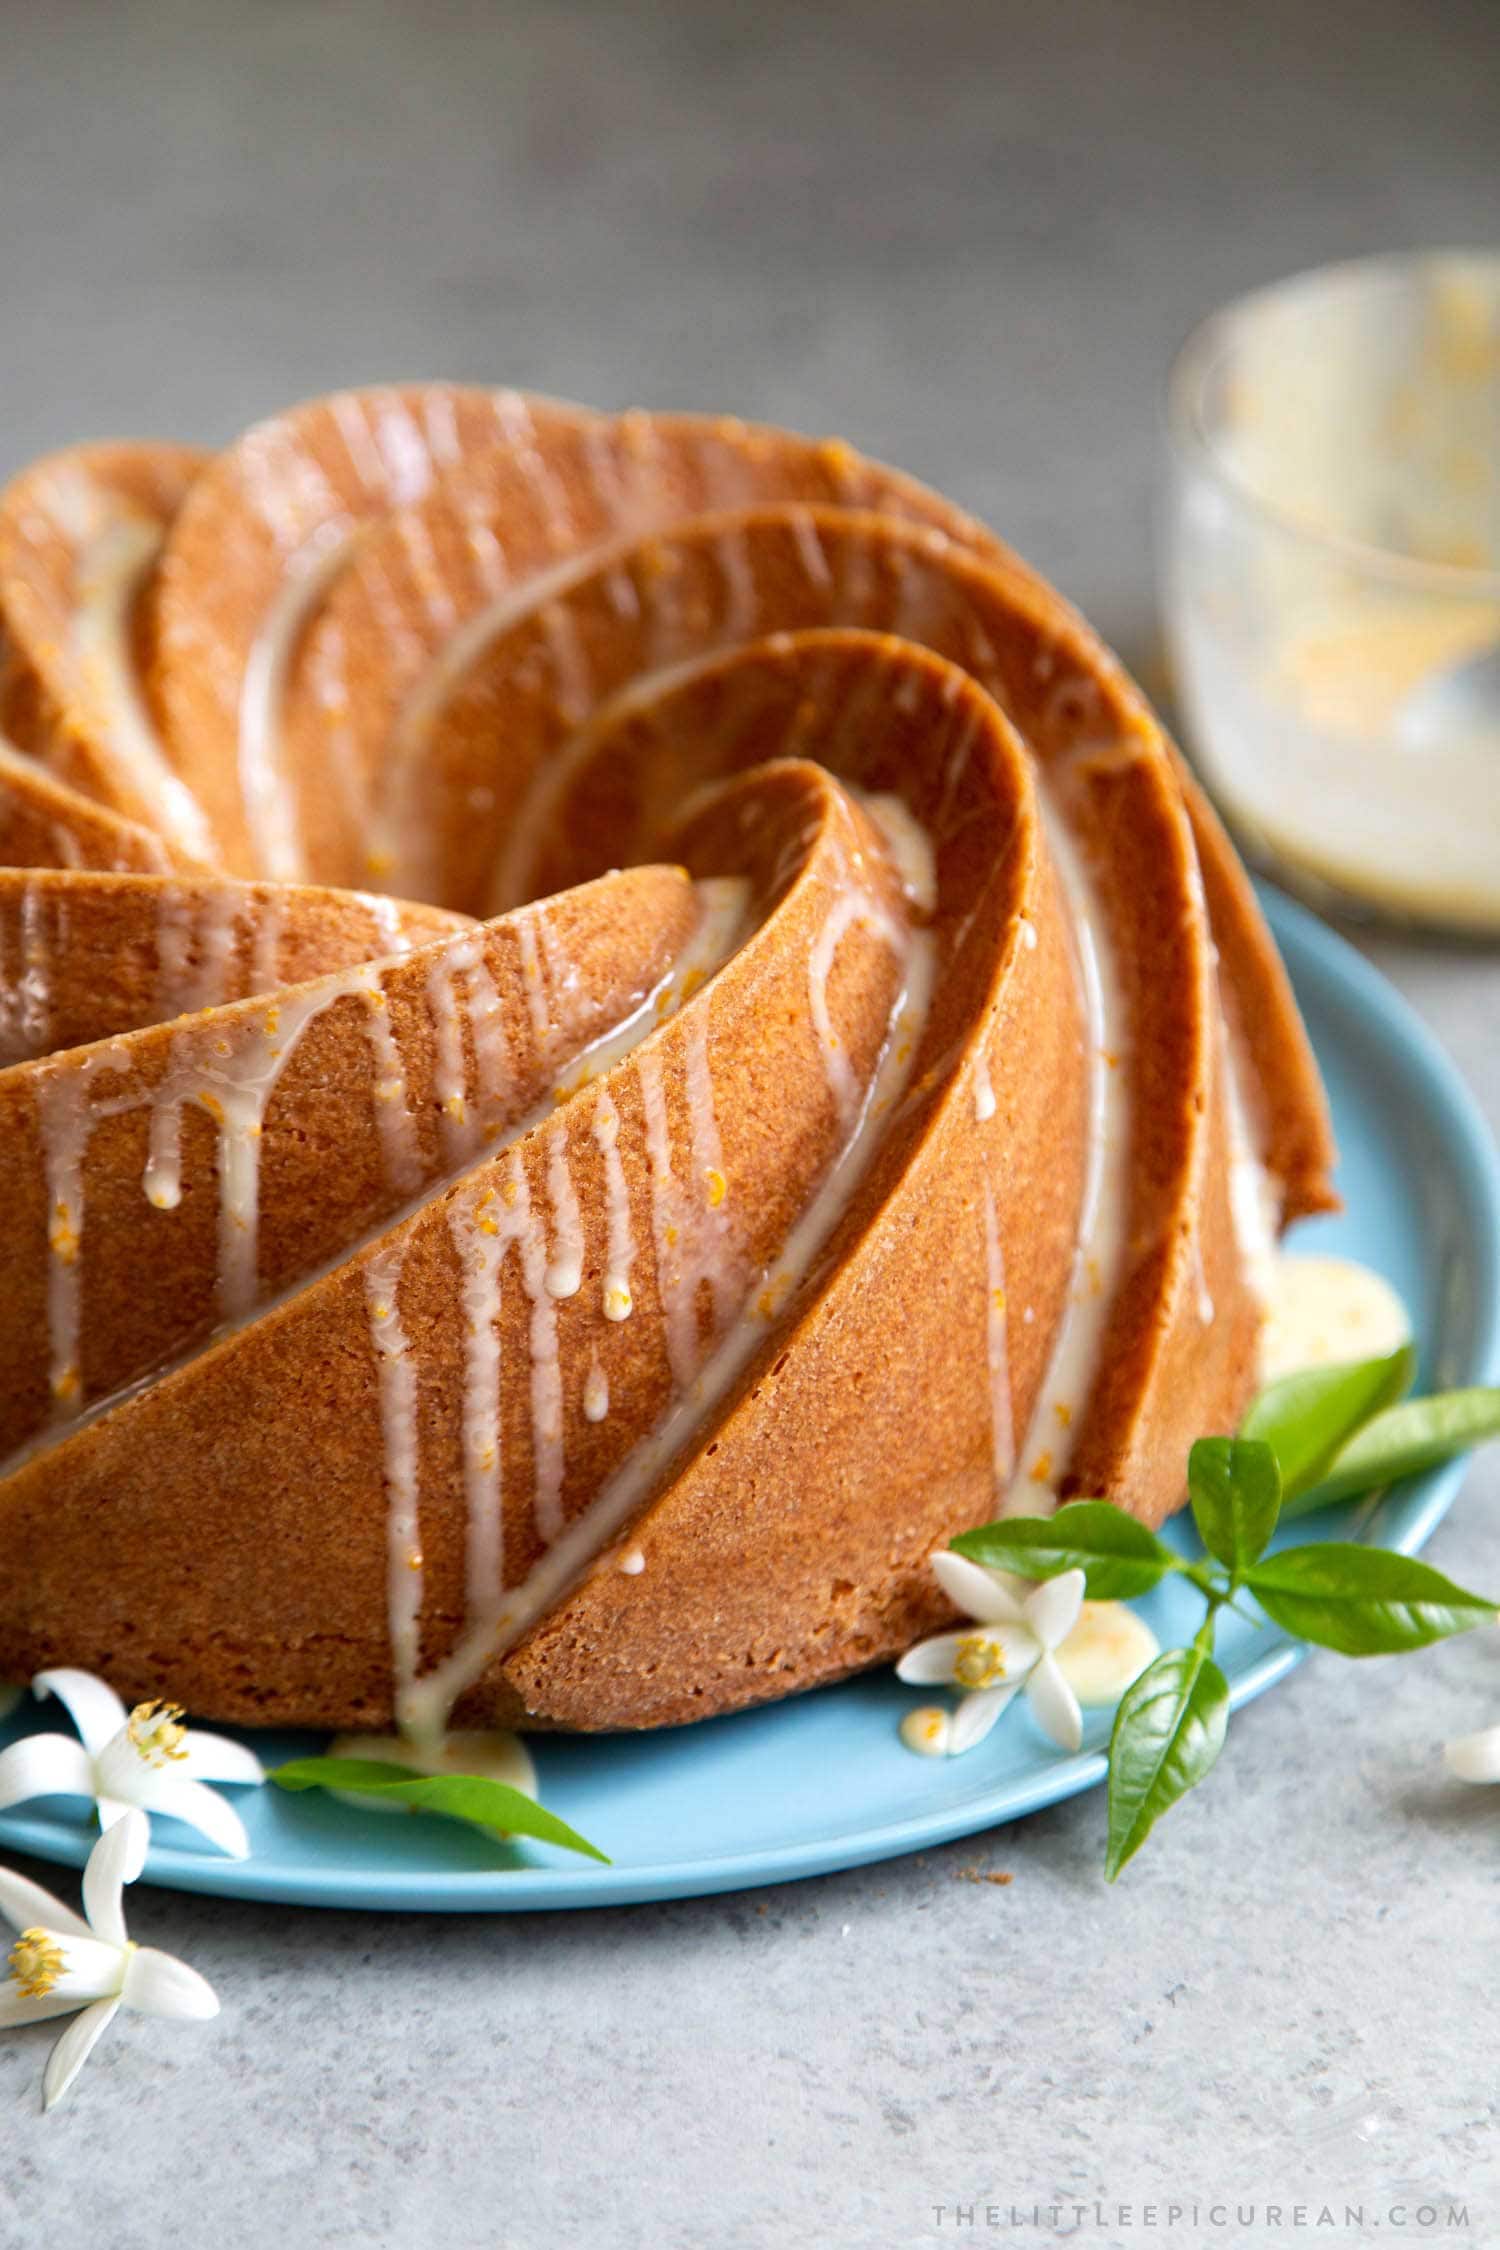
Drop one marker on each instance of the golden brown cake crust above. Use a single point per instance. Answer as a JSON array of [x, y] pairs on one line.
[[894, 1089]]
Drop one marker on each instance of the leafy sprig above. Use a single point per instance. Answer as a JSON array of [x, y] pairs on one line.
[[484, 1803], [1329, 1434]]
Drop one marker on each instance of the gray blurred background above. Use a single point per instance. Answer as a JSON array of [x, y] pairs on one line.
[[969, 238]]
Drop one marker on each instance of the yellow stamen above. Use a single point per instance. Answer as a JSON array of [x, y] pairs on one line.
[[978, 1662], [157, 1731], [36, 1963]]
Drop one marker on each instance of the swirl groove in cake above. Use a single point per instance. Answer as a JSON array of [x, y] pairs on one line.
[[611, 1027]]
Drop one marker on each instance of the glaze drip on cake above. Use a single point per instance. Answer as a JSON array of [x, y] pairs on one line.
[[582, 992]]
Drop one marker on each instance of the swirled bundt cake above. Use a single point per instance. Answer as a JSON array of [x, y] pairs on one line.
[[611, 1028]]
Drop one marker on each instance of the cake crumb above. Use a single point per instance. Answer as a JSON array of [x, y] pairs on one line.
[[976, 1874]]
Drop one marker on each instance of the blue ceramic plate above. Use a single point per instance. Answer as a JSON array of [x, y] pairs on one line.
[[822, 1781]]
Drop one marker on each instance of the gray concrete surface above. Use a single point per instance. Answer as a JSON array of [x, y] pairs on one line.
[[968, 237]]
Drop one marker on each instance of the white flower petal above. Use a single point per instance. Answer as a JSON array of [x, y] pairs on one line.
[[1055, 1704], [45, 1765], [17, 2007], [213, 1757], [91, 1703], [115, 1860], [110, 1809], [975, 1716], [158, 1984], [26, 1906], [937, 1662], [993, 1596], [74, 2048], [1475, 1757], [93, 1968], [1052, 1611], [120, 1771], [930, 1663], [204, 1809]]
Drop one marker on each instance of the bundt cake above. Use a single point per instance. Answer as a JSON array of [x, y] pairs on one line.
[[613, 1026]]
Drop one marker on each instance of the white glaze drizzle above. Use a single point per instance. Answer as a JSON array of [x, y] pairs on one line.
[[394, 1120], [196, 934], [733, 553], [396, 1384], [533, 981], [111, 566], [65, 1112], [595, 1390], [678, 1303], [450, 1081], [416, 542], [236, 1096], [804, 530], [1255, 1196], [908, 844], [481, 1241], [385, 914], [984, 1092], [569, 657], [1048, 1443], [162, 1178], [546, 1363], [997, 1352], [620, 1242], [26, 986], [268, 919], [855, 907], [271, 809], [564, 1275]]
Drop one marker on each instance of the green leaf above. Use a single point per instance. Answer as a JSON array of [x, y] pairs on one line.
[[1405, 1439], [1119, 1556], [491, 1805], [1235, 1487], [1308, 1417], [1362, 1601], [1168, 1731]]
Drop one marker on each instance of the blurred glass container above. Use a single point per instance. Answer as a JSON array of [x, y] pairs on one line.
[[1331, 579]]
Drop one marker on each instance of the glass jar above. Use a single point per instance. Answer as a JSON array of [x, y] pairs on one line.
[[1330, 561]]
